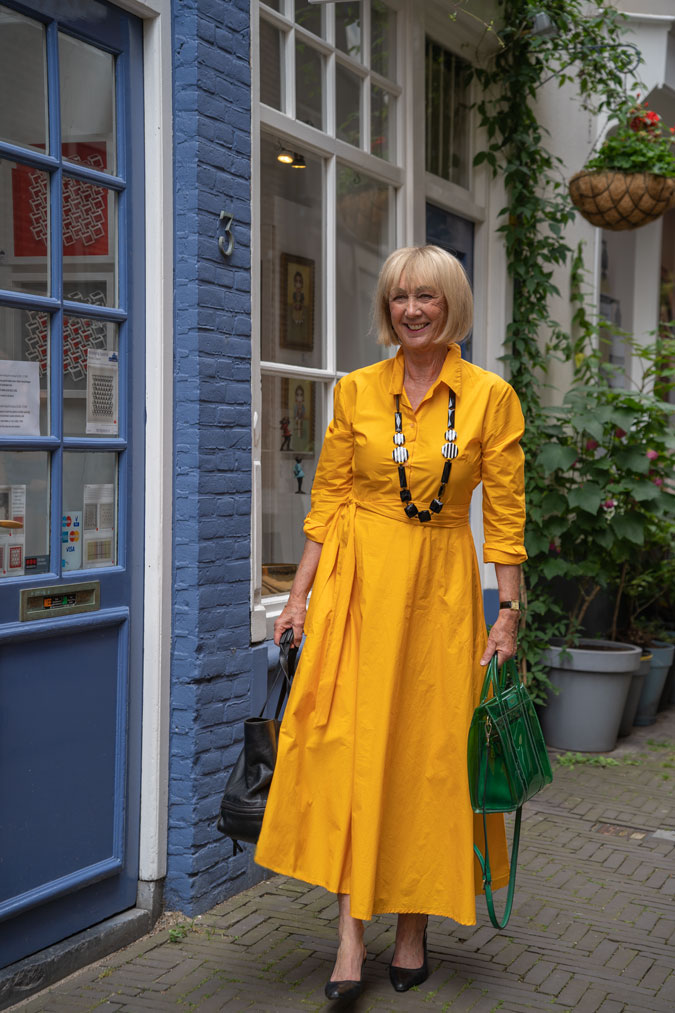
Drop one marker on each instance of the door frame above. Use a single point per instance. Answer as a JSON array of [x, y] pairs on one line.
[[159, 226]]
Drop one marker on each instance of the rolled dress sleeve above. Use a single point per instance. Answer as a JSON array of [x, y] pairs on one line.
[[332, 484], [502, 473]]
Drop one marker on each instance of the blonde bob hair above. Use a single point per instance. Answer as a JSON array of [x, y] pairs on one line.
[[422, 266]]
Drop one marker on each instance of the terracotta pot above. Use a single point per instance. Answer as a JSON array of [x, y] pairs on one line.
[[621, 200]]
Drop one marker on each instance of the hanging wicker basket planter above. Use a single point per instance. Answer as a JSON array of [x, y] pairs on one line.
[[621, 200]]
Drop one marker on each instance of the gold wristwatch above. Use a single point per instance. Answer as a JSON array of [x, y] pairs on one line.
[[513, 605]]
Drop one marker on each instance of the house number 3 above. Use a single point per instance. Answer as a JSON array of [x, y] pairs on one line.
[[226, 242]]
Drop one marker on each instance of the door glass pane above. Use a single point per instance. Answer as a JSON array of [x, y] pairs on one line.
[[309, 16], [383, 39], [90, 503], [382, 123], [274, 4], [365, 237], [90, 378], [348, 29], [89, 243], [292, 259], [292, 434], [308, 85], [447, 115], [24, 513], [23, 81], [24, 228], [24, 372], [271, 64], [348, 105], [87, 82]]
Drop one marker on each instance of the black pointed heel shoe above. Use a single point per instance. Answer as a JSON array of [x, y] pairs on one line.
[[403, 978], [346, 989]]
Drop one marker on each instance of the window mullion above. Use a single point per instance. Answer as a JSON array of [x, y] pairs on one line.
[[329, 217], [289, 83]]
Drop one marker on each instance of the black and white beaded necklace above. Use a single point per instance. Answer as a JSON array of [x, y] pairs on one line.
[[400, 456]]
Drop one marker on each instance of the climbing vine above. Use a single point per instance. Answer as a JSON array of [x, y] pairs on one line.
[[584, 47]]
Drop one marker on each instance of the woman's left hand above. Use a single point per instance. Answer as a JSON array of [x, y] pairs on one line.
[[503, 637]]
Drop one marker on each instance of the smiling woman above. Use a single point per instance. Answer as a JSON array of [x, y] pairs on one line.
[[377, 721]]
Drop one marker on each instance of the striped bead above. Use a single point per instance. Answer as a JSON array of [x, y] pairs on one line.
[[400, 455], [399, 439], [450, 434], [450, 451]]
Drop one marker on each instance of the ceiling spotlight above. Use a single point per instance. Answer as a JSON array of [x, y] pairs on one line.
[[298, 162], [285, 156]]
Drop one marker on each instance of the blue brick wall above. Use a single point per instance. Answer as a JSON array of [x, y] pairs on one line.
[[212, 661]]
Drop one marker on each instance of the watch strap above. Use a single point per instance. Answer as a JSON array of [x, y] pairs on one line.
[[513, 605]]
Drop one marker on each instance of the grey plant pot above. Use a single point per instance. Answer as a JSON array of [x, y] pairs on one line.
[[636, 684], [593, 683], [648, 704]]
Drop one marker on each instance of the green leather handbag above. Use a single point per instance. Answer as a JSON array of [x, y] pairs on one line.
[[507, 762]]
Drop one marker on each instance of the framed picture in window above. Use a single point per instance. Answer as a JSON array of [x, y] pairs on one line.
[[296, 302], [299, 409]]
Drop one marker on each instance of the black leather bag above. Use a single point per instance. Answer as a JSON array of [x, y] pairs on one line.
[[242, 806]]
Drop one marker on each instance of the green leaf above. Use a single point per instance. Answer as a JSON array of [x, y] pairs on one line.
[[632, 459], [644, 490], [629, 526], [536, 542], [553, 503], [554, 457], [588, 497]]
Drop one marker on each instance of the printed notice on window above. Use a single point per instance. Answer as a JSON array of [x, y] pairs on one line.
[[98, 536], [102, 395], [19, 398]]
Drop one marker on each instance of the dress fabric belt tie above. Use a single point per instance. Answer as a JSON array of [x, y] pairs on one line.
[[329, 606]]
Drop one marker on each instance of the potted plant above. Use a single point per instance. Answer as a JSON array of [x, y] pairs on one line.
[[641, 588], [630, 181], [600, 489]]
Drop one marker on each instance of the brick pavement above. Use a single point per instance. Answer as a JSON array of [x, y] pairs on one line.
[[593, 928]]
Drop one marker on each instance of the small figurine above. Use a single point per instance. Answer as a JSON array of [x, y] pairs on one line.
[[299, 474], [286, 433], [300, 412]]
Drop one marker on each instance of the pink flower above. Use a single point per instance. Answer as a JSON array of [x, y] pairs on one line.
[[619, 433], [657, 481], [609, 504], [592, 444], [652, 455], [554, 548]]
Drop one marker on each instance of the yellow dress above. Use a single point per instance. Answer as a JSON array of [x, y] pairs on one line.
[[370, 793]]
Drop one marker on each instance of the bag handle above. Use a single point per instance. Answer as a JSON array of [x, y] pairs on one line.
[[285, 669]]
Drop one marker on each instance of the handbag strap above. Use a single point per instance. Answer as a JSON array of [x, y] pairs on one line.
[[285, 671], [485, 862], [498, 679]]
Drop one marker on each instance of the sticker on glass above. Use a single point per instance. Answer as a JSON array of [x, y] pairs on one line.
[[102, 393], [98, 536]]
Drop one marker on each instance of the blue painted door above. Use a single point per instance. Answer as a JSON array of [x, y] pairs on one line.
[[71, 467], [454, 234]]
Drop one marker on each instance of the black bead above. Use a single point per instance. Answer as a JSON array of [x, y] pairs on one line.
[[405, 495], [401, 476], [436, 506], [423, 516], [410, 510], [447, 467]]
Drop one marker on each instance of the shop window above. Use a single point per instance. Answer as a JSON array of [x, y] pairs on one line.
[[325, 228], [271, 65], [365, 237], [447, 115], [291, 304]]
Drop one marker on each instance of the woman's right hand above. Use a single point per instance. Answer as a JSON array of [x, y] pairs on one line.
[[293, 615]]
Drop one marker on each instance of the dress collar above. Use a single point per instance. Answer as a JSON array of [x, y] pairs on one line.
[[450, 374]]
